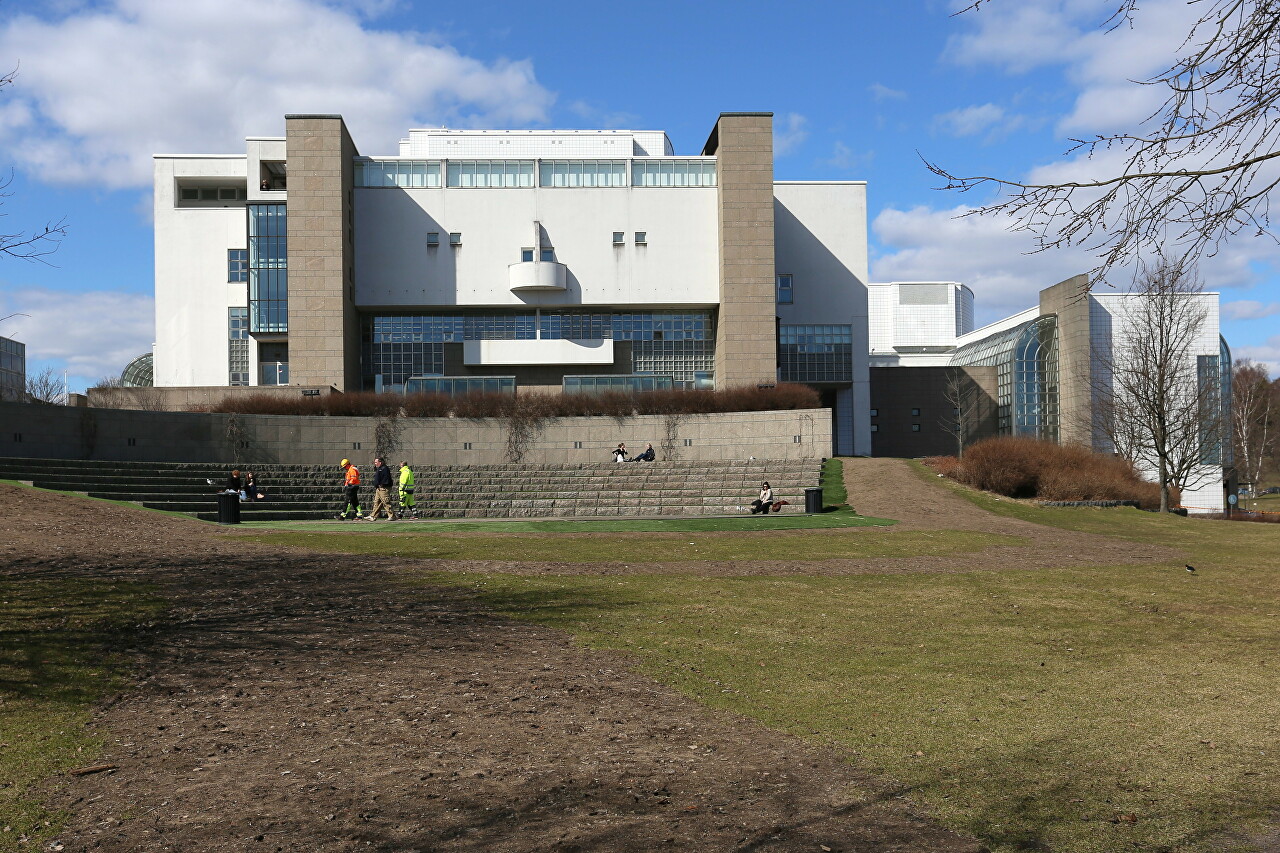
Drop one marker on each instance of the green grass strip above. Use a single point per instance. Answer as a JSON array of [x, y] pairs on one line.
[[61, 654]]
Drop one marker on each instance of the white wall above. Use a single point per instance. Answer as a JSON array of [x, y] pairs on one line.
[[192, 291], [1111, 318], [394, 268], [821, 240]]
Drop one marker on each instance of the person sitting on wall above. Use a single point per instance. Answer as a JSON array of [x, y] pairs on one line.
[[620, 452], [646, 455], [764, 502]]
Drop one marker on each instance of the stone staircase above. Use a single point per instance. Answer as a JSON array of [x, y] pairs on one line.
[[311, 493]]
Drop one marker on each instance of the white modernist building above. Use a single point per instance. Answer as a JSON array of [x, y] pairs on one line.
[[514, 260], [1047, 372]]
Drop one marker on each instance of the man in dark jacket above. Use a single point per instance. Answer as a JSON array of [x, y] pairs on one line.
[[381, 490]]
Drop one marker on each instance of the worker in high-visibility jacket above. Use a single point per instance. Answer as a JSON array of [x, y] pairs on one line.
[[407, 507], [350, 489]]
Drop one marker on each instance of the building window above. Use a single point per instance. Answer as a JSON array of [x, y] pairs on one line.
[[268, 269], [784, 289], [433, 238], [915, 413], [489, 173], [238, 340], [619, 238], [200, 196], [455, 238], [526, 256], [237, 264], [673, 173], [458, 386], [642, 237], [875, 413], [410, 174], [547, 255], [875, 428], [915, 427], [582, 173], [815, 353]]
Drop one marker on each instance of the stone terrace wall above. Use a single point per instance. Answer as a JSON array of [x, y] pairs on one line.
[[58, 432]]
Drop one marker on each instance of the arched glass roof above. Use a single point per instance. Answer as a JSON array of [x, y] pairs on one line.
[[138, 373]]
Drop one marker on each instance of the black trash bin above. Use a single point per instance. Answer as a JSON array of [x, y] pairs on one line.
[[813, 499], [228, 509]]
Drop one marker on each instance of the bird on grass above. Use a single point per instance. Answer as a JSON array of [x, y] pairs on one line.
[[1191, 568]]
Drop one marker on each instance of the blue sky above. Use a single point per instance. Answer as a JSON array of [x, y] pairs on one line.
[[857, 90]]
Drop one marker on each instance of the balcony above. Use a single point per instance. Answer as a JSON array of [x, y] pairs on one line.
[[536, 276]]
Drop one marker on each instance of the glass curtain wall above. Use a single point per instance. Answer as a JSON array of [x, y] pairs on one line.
[[268, 269], [1035, 380]]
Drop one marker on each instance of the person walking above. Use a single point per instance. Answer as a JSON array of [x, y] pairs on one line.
[[407, 506], [381, 490], [351, 489]]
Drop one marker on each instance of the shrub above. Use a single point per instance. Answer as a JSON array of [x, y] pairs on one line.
[[1028, 468], [617, 404]]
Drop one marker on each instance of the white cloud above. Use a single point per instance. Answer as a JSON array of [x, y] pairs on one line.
[[789, 134], [1266, 354], [1249, 309], [91, 334], [881, 92], [845, 159], [113, 84], [981, 118]]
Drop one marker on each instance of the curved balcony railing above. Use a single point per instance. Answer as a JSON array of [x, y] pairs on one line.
[[538, 275]]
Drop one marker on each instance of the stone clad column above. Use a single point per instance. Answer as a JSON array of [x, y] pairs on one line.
[[1069, 300], [746, 329], [324, 330]]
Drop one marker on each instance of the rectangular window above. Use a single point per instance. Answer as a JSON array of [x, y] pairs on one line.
[[238, 346], [526, 256], [915, 413], [654, 172], [433, 238], [915, 427], [489, 173], [875, 413], [455, 238], [642, 237], [815, 353], [875, 428], [547, 255], [407, 174], [784, 288], [619, 238], [268, 269], [582, 173], [237, 264]]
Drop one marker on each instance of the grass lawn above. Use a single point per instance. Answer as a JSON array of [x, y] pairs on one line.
[[56, 662], [1084, 709]]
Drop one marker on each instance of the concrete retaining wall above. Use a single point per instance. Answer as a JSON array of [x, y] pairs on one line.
[[124, 435]]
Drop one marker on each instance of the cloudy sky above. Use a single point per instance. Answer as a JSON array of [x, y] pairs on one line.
[[859, 90]]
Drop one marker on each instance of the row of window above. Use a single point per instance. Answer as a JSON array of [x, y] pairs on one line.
[[211, 193], [570, 325], [516, 174]]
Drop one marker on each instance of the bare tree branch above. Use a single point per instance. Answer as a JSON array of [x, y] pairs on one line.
[[34, 245], [1198, 172]]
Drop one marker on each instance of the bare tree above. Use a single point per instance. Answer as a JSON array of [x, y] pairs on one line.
[[964, 396], [47, 387], [1155, 402], [28, 245], [1197, 171], [1254, 410]]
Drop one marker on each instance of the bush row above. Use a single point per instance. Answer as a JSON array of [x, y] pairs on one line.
[[616, 404], [1029, 468]]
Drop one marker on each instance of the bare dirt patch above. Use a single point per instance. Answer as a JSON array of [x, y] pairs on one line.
[[299, 702]]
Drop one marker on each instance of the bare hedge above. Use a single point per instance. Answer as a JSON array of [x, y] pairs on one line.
[[1028, 468], [616, 404]]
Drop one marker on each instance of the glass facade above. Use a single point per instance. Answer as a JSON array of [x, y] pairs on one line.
[[1213, 375], [237, 264], [397, 173], [582, 173], [677, 344], [458, 386], [616, 382], [13, 370], [489, 173], [673, 173], [268, 269], [139, 373], [815, 353], [1026, 361]]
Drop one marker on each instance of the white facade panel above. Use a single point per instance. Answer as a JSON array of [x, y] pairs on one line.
[[192, 292], [676, 266], [535, 352]]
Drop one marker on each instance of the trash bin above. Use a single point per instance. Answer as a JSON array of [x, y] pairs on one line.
[[228, 509], [813, 499]]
